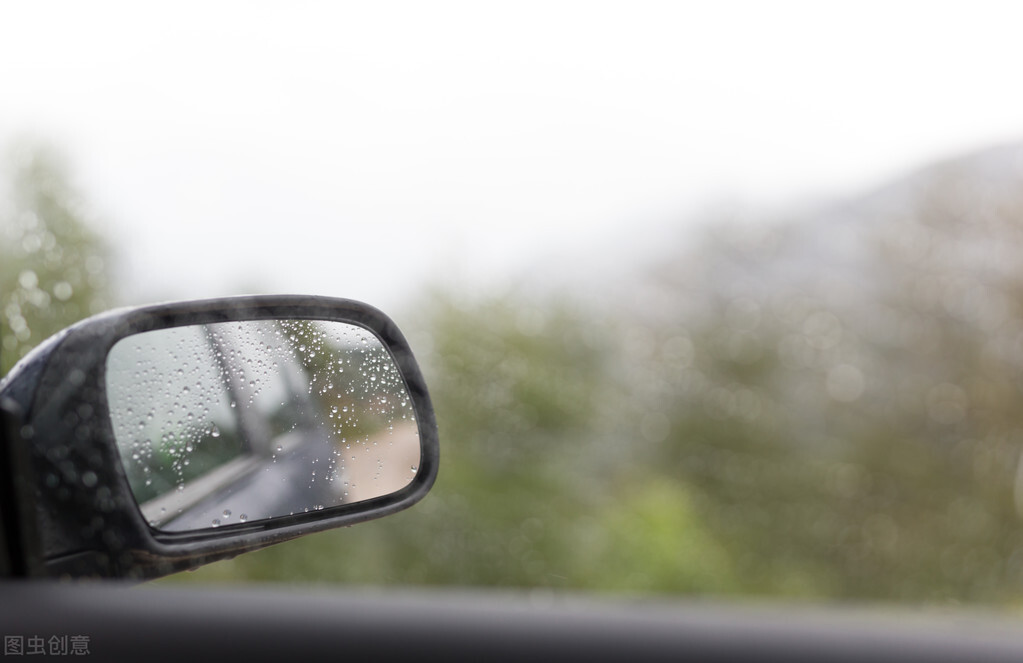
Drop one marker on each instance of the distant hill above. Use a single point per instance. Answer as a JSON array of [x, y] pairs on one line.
[[948, 226], [844, 384]]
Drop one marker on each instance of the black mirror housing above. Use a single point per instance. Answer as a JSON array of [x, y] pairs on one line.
[[75, 514]]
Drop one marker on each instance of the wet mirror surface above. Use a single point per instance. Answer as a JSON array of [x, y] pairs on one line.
[[234, 422]]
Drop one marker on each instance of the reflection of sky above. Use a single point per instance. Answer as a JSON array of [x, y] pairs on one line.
[[357, 151], [165, 382]]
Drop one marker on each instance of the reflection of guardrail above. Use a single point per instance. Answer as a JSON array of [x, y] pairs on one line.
[[162, 510], [386, 461], [166, 508]]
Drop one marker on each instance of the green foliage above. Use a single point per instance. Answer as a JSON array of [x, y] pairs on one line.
[[852, 436], [846, 437], [531, 492], [859, 434], [53, 268]]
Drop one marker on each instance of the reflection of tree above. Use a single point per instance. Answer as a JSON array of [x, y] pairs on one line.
[[53, 268], [165, 468]]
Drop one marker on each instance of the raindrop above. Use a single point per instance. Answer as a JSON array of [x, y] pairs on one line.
[[215, 523], [242, 518], [226, 514]]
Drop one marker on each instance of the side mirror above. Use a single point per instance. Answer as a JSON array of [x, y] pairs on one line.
[[146, 441]]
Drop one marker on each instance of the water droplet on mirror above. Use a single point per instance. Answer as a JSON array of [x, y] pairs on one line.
[[214, 432], [215, 523], [226, 514], [242, 518]]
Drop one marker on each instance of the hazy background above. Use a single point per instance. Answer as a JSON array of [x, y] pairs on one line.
[[360, 150], [712, 298]]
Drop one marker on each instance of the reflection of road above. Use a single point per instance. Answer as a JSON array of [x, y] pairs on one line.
[[307, 474], [292, 481], [382, 465]]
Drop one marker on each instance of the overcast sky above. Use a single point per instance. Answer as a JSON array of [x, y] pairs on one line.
[[364, 149]]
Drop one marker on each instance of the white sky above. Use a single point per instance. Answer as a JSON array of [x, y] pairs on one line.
[[364, 149]]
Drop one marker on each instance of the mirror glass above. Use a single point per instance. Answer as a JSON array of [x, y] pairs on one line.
[[233, 422]]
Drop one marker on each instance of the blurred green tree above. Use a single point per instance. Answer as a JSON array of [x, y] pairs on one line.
[[53, 267], [533, 490], [826, 408], [848, 419]]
